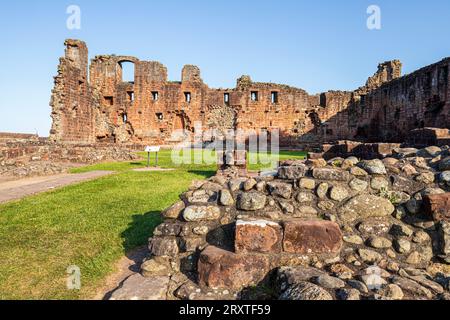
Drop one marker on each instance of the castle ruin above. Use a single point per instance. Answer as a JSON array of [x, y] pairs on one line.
[[92, 104]]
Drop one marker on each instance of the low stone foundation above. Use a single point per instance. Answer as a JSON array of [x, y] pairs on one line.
[[342, 229], [29, 155]]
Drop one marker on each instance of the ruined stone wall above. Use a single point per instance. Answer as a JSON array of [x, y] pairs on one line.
[[150, 109], [28, 155], [71, 100], [390, 111]]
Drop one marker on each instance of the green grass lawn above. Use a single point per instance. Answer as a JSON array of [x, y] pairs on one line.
[[90, 225]]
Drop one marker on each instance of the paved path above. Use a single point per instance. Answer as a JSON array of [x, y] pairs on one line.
[[13, 190]]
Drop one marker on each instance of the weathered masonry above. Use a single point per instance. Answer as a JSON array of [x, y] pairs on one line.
[[94, 104]]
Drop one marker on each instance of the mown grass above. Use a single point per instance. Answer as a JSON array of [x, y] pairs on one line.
[[90, 225]]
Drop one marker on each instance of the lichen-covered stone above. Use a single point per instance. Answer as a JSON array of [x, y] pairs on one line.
[[251, 201], [374, 166], [292, 172], [163, 246], [369, 256], [280, 189], [358, 185], [307, 183], [379, 242], [174, 211], [226, 198], [201, 213], [322, 190], [363, 206], [305, 291], [331, 174], [338, 193]]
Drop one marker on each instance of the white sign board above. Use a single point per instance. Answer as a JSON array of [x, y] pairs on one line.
[[152, 148]]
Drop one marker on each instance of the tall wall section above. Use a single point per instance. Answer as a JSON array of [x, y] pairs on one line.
[[150, 109], [71, 100]]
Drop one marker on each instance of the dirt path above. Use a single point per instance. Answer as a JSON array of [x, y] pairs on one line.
[[17, 189], [125, 267]]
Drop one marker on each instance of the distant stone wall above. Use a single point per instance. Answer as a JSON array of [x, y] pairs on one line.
[[150, 108], [21, 157]]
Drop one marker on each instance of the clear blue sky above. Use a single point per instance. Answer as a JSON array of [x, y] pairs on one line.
[[315, 45]]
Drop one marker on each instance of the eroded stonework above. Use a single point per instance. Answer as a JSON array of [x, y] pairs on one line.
[[98, 106]]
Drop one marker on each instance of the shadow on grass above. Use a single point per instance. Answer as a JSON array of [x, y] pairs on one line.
[[140, 229], [135, 239], [136, 163], [204, 173]]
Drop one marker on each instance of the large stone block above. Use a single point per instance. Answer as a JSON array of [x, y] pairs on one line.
[[331, 174], [292, 172], [174, 211], [138, 287], [163, 246], [251, 201], [201, 213], [280, 189], [365, 206], [444, 235], [313, 237], [220, 269], [258, 236], [438, 206]]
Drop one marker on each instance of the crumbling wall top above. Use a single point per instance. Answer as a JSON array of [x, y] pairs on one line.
[[191, 73]]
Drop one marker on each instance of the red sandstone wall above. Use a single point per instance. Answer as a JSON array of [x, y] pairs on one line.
[[72, 111], [110, 110]]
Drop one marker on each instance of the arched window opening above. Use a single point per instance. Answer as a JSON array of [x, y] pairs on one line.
[[127, 71]]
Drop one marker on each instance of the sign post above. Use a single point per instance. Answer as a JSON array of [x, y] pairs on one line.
[[150, 149]]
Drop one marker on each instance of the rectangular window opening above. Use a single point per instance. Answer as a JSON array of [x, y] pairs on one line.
[[155, 95], [130, 96], [254, 95], [274, 97], [187, 97], [109, 101], [226, 98], [160, 116], [125, 118]]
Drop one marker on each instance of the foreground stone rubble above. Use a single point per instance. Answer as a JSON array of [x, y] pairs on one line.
[[343, 229]]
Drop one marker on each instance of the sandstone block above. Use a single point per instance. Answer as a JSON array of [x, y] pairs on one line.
[[311, 237], [258, 236], [220, 269], [438, 206]]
